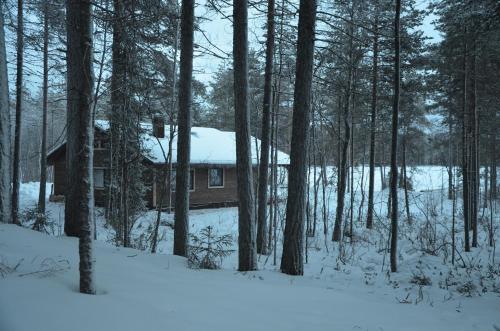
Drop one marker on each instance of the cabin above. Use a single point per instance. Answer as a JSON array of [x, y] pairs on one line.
[[212, 174]]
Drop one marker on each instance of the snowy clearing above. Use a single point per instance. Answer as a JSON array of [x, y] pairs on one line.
[[346, 288], [140, 291]]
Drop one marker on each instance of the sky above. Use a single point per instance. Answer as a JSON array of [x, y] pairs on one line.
[[219, 31], [217, 37]]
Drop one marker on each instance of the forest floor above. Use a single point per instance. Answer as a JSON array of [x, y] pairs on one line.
[[346, 287]]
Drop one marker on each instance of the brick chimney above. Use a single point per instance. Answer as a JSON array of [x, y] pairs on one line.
[[158, 126]]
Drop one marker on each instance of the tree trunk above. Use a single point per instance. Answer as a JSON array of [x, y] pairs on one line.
[[275, 156], [351, 196], [324, 183], [394, 143], [474, 152], [315, 181], [264, 147], [16, 180], [124, 209], [493, 169], [171, 116], [453, 222], [181, 216], [450, 155], [362, 184], [247, 250], [405, 180], [292, 258], [43, 149], [117, 113], [373, 125], [271, 184], [343, 173], [80, 133], [5, 132], [486, 178], [465, 157]]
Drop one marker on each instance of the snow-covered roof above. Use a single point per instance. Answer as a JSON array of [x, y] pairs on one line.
[[208, 145]]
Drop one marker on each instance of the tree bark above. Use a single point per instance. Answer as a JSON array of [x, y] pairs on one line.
[[181, 230], [5, 132], [405, 180], [343, 173], [292, 258], [493, 169], [450, 155], [465, 157], [474, 152], [16, 180], [247, 250], [80, 133], [118, 99], [264, 147], [43, 148], [373, 120], [394, 142]]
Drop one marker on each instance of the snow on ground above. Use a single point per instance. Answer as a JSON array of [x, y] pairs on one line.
[[344, 288], [140, 291]]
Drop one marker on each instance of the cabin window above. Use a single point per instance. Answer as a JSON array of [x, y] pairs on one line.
[[172, 180], [99, 178], [216, 177]]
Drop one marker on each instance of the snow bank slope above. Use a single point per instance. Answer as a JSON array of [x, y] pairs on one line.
[[139, 291]]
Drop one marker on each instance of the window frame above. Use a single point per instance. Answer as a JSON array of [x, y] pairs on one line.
[[223, 178]]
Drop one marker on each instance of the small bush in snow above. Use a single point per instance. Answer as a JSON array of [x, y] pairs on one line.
[[468, 289], [37, 221], [207, 250], [421, 280]]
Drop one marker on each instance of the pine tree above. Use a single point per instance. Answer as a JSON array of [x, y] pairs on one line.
[[293, 248], [16, 180], [373, 119], [247, 250], [184, 136], [266, 122], [5, 132], [394, 141], [43, 147], [80, 134]]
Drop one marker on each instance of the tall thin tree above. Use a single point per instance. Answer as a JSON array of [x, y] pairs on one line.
[[5, 132], [394, 141], [292, 258], [16, 180], [43, 147], [184, 136], [373, 120], [266, 122], [247, 251], [346, 140], [80, 133], [465, 149]]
